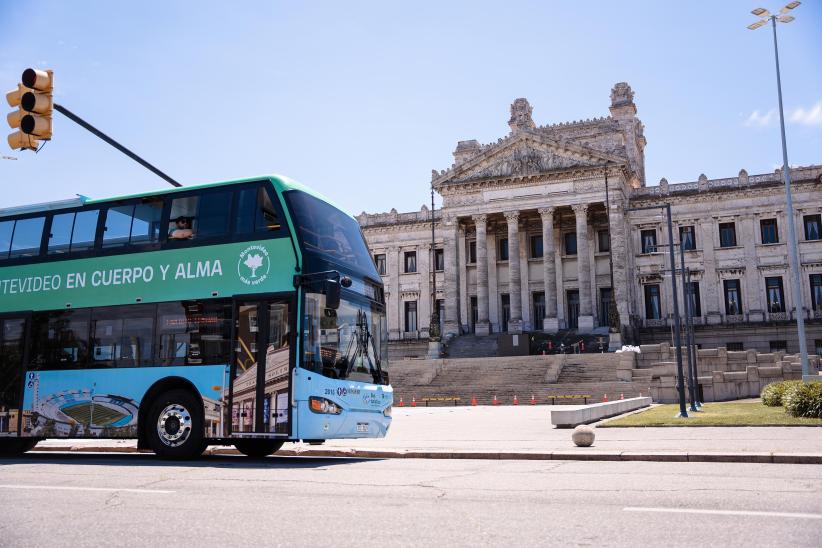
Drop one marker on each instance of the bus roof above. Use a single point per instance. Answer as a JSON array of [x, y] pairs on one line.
[[282, 183]]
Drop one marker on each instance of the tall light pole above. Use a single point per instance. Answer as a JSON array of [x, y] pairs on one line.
[[793, 246], [680, 381]]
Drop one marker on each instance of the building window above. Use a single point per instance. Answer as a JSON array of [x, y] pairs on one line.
[[813, 227], [776, 299], [816, 291], [604, 306], [474, 314], [570, 243], [687, 238], [767, 228], [410, 262], [503, 249], [778, 346], [653, 305], [696, 305], [379, 262], [603, 241], [536, 247], [727, 235], [733, 298], [505, 314], [539, 310], [439, 260], [648, 238], [410, 316], [472, 252], [734, 347]]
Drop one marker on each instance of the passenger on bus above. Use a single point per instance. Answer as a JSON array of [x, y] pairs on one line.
[[182, 229]]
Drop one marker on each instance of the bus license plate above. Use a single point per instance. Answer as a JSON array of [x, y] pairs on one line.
[[362, 427]]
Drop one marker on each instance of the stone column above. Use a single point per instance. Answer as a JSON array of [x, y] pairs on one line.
[[586, 318], [549, 252], [394, 263], [754, 292], [713, 291], [619, 258], [514, 285], [451, 233], [483, 326]]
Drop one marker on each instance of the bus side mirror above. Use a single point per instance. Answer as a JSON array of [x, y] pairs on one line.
[[332, 294]]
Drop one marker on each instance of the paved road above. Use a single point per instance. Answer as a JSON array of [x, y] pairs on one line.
[[135, 499], [528, 429]]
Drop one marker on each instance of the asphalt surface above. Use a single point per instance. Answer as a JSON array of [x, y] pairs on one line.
[[60, 499]]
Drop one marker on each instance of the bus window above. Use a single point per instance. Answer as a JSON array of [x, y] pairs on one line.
[[255, 212], [6, 230], [194, 332], [122, 336], [60, 339], [27, 236], [85, 229], [118, 226], [60, 236], [202, 216], [146, 225]]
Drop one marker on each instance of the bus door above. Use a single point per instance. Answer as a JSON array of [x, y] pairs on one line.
[[12, 350], [260, 369]]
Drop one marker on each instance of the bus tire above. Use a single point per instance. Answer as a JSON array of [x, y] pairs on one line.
[[257, 449], [175, 425], [12, 447]]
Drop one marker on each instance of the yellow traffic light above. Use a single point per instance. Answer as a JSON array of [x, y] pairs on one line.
[[33, 98]]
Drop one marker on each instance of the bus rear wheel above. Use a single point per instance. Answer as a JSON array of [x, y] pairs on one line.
[[175, 425], [257, 449], [12, 447]]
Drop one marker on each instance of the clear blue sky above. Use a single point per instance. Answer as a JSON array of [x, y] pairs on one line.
[[362, 99]]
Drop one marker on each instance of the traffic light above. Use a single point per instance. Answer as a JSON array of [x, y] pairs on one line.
[[35, 106]]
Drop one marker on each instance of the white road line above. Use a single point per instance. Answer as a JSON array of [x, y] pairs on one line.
[[724, 512], [99, 489]]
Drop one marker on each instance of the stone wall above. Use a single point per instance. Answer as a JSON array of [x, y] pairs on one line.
[[721, 375]]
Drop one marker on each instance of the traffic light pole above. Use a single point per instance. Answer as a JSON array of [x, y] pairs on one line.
[[82, 123]]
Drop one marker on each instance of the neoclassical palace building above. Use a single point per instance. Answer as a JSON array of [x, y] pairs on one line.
[[539, 228]]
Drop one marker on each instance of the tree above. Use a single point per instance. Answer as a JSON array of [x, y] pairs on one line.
[[254, 262]]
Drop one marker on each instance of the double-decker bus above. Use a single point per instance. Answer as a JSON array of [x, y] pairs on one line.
[[245, 313]]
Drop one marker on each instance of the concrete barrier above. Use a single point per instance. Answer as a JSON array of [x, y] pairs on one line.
[[570, 418]]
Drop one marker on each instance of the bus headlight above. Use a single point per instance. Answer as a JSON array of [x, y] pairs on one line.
[[323, 406], [387, 411]]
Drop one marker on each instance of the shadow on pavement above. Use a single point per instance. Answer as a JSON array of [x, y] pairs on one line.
[[149, 459]]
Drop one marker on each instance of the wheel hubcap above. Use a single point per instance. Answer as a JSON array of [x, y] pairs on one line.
[[174, 425]]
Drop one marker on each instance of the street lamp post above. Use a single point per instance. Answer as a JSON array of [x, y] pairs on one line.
[[793, 246], [688, 327], [680, 381]]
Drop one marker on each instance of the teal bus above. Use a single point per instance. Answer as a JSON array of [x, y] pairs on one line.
[[245, 313]]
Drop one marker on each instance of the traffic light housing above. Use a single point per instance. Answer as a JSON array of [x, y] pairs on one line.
[[35, 106]]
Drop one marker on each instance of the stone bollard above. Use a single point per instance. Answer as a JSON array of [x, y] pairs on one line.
[[583, 436]]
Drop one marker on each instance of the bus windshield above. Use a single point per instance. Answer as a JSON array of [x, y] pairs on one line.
[[330, 239], [350, 342]]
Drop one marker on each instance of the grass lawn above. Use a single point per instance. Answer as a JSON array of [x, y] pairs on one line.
[[714, 414]]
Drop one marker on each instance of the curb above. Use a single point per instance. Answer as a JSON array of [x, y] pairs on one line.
[[612, 456]]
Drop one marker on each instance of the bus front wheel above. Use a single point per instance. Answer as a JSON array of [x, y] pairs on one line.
[[175, 425], [12, 447], [257, 449]]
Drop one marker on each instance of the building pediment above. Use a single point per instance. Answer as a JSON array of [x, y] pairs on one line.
[[526, 154]]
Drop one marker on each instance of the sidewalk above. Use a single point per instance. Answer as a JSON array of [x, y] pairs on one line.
[[525, 432]]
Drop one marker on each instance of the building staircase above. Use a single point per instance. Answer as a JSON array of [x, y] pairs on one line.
[[472, 346]]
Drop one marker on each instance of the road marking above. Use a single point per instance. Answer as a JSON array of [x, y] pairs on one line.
[[100, 489], [724, 512]]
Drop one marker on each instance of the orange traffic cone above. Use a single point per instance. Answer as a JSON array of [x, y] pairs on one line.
[[533, 400], [402, 403], [473, 400], [605, 397], [621, 396], [516, 401], [414, 401], [495, 402]]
